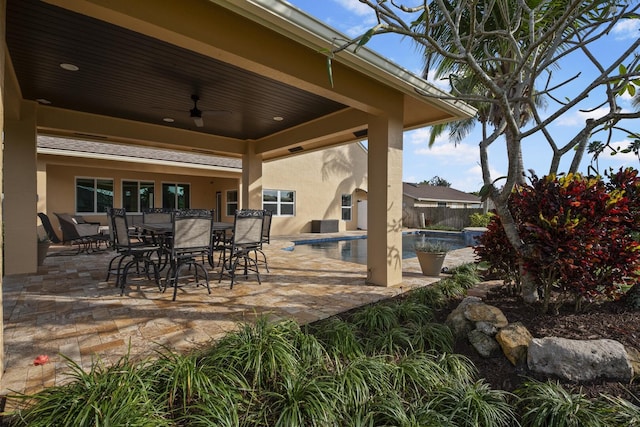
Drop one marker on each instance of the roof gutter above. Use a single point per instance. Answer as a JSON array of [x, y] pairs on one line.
[[293, 23]]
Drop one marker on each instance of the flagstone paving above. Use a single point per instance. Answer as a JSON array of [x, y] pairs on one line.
[[68, 308]]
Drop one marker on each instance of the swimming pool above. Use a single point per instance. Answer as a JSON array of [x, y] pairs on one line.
[[354, 249]]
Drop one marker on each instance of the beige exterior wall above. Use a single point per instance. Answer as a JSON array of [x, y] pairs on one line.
[[319, 178], [59, 190]]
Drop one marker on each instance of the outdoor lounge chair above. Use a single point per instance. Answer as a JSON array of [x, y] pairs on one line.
[[76, 231], [48, 228]]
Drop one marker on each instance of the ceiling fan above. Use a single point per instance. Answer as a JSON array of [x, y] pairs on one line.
[[196, 114]]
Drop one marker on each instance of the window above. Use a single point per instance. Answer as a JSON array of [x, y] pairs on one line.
[[279, 202], [175, 196], [346, 207], [93, 195], [137, 195], [232, 202]]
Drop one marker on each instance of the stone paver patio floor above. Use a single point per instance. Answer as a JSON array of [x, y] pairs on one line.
[[68, 308]]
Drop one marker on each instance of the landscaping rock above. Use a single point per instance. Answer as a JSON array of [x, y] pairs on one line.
[[579, 360], [485, 345], [634, 359], [481, 312], [457, 322], [514, 340]]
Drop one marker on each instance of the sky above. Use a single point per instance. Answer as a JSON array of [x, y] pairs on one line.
[[460, 164]]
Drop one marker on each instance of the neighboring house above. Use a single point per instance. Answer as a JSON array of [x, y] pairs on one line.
[[83, 177], [424, 204]]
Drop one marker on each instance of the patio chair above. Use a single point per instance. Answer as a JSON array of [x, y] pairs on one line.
[[76, 231], [191, 240], [266, 237], [247, 235], [132, 254], [48, 228], [157, 215]]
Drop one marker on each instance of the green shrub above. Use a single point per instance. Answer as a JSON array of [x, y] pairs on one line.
[[104, 396], [543, 404], [480, 219]]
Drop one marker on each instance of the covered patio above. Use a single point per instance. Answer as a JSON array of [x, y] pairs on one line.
[[124, 73], [68, 309]]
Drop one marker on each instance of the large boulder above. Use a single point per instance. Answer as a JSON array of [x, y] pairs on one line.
[[579, 360], [458, 322]]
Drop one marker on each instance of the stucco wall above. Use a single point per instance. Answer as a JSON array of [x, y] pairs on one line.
[[60, 188], [319, 179]]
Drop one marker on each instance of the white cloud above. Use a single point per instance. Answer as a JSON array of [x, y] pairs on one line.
[[579, 117], [627, 29], [356, 7], [449, 154]]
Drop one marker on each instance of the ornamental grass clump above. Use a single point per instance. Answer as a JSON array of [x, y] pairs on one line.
[[383, 364], [104, 396]]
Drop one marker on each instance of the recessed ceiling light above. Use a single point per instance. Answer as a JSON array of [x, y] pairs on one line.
[[278, 118], [69, 67], [43, 101], [168, 120]]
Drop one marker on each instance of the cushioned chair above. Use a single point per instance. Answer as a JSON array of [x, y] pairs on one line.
[[247, 235], [76, 231], [191, 243], [48, 228], [130, 253]]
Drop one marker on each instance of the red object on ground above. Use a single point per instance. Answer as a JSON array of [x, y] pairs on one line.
[[41, 360]]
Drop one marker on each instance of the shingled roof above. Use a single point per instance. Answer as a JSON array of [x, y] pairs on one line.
[[425, 192], [78, 147]]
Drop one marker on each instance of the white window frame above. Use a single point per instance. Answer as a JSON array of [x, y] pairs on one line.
[[138, 182], [278, 203], [188, 184], [346, 208], [231, 206], [95, 190]]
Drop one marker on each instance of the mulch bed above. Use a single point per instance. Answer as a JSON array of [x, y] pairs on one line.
[[611, 320]]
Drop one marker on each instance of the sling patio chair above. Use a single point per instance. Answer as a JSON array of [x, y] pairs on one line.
[[266, 237], [190, 244], [130, 253], [247, 235]]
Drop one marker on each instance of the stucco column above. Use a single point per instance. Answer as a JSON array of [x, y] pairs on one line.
[[251, 185], [384, 210], [3, 96], [19, 166]]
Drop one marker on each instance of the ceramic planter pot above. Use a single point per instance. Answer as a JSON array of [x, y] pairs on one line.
[[431, 262]]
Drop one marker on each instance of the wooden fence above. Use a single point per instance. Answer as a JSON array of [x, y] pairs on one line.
[[443, 217]]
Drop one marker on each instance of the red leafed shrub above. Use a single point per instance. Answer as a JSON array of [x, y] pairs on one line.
[[495, 249], [578, 232]]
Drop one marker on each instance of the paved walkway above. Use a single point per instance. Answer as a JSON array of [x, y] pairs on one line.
[[68, 308]]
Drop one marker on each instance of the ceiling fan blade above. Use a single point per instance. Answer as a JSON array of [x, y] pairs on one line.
[[198, 121]]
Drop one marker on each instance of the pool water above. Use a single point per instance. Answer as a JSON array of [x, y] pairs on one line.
[[355, 250]]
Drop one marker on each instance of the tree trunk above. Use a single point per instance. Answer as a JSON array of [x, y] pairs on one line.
[[528, 284]]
